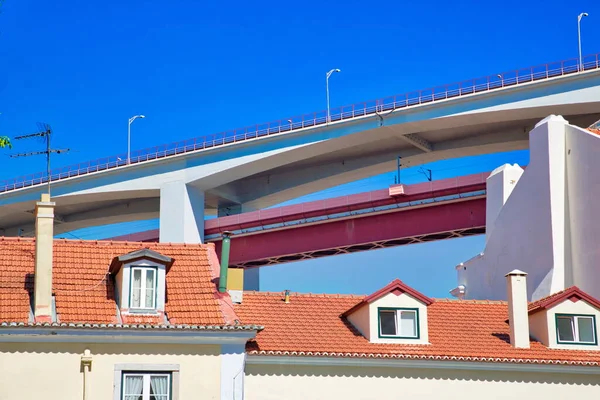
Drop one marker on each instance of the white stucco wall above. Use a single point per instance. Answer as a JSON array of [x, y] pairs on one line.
[[538, 327], [499, 186], [52, 371], [583, 188], [276, 382], [360, 320], [547, 226]]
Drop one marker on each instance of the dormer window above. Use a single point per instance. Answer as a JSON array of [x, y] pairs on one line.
[[140, 283], [399, 323], [576, 329], [143, 288], [395, 314]]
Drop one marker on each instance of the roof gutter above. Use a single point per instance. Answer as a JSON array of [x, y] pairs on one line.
[[91, 334], [517, 365]]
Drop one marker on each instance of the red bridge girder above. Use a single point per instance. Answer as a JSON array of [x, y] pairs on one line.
[[435, 221]]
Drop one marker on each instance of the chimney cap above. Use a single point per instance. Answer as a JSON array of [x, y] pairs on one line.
[[516, 272]]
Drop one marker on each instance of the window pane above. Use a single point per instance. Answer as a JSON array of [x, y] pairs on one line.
[[159, 385], [408, 323], [133, 387], [564, 326], [388, 322], [149, 301], [136, 288], [586, 329]]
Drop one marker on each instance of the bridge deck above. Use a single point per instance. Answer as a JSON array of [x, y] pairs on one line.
[[354, 111]]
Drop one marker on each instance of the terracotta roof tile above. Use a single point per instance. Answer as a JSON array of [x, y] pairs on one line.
[[84, 291], [458, 329]]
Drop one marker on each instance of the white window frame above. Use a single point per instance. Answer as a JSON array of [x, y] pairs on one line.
[[146, 377], [151, 369], [397, 316], [144, 270], [575, 328]]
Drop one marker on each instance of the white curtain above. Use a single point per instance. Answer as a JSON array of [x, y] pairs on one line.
[[408, 324], [149, 288], [159, 387], [136, 288], [133, 387]]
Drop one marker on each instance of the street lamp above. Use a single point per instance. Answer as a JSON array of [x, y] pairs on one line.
[[129, 135], [327, 87], [579, 18]]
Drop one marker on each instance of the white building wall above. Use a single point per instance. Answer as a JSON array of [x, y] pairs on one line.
[[529, 231], [583, 188], [547, 226], [499, 186], [276, 382]]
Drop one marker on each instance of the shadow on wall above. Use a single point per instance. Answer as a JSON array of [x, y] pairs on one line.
[[282, 371], [110, 349]]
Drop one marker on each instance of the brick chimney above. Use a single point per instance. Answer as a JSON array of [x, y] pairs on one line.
[[518, 317], [44, 240]]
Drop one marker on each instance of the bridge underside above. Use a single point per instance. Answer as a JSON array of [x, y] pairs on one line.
[[364, 158], [258, 174]]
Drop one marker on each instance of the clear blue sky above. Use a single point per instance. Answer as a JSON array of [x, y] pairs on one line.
[[195, 68]]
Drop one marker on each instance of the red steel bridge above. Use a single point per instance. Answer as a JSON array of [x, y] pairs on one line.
[[400, 215]]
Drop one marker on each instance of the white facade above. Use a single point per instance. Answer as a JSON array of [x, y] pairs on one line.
[[545, 221]]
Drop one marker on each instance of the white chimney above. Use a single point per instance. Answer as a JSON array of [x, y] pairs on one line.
[[518, 317], [44, 240]]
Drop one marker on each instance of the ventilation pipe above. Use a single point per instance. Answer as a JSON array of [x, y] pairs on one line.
[[44, 240], [518, 317], [225, 245], [286, 298]]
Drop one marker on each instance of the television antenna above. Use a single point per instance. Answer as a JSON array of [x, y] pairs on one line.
[[45, 133]]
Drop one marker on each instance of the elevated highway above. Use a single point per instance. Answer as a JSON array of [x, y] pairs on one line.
[[254, 168]]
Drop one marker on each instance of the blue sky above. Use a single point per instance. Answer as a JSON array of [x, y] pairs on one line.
[[195, 68]]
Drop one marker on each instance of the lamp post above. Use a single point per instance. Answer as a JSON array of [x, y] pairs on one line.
[[579, 18], [129, 135], [327, 88]]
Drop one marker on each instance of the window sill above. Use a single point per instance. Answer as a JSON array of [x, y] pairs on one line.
[[142, 311]]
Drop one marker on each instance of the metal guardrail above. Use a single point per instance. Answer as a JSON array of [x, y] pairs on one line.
[[472, 86]]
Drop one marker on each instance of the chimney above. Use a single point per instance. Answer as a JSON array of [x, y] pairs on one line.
[[44, 240], [518, 317]]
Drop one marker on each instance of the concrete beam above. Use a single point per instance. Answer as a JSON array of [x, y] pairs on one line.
[[417, 141], [292, 183], [133, 210]]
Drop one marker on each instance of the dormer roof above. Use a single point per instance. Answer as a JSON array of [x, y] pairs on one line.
[[140, 254], [573, 293], [397, 287]]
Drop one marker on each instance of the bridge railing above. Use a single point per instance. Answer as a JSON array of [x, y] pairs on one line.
[[438, 93]]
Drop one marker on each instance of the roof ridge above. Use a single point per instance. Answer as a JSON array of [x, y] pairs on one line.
[[470, 301], [305, 294], [16, 238]]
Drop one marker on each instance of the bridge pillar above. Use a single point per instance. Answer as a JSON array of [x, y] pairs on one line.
[[181, 213]]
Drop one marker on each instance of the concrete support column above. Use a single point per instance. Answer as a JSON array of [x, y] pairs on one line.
[[181, 213]]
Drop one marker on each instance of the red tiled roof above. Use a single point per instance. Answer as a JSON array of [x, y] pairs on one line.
[[85, 294], [312, 325], [395, 286], [573, 293]]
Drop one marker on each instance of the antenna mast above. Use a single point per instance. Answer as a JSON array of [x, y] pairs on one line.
[[45, 132]]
